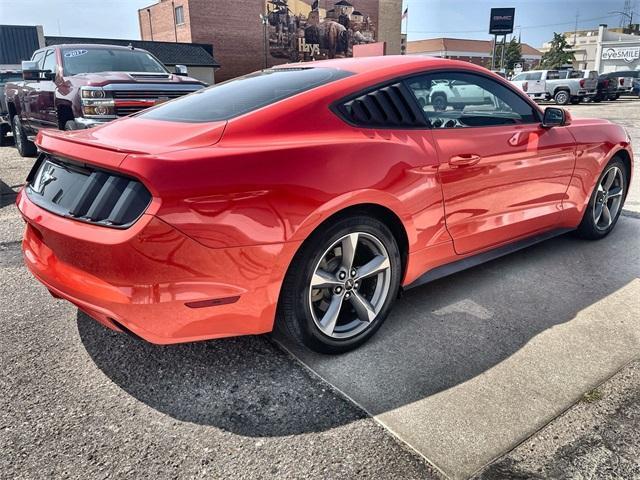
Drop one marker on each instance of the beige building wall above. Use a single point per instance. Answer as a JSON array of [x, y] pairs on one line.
[[389, 25]]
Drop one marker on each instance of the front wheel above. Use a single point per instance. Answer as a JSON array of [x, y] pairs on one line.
[[605, 204], [341, 285]]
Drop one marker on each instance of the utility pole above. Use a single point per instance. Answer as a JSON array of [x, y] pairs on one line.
[[575, 30]]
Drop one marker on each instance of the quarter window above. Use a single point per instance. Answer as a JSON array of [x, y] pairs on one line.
[[457, 100]]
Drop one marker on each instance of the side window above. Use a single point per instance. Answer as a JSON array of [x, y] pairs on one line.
[[50, 61], [534, 76], [519, 77], [37, 57], [458, 100]]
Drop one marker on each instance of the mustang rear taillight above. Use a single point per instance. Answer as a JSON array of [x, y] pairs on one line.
[[86, 193]]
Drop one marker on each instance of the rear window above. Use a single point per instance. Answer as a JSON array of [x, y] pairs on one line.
[[244, 94]]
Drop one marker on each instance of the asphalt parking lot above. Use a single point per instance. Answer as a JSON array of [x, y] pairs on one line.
[[462, 380]]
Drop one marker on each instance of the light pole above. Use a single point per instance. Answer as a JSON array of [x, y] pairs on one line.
[[264, 19]]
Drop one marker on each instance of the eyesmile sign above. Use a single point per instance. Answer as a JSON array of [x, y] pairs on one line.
[[628, 54]]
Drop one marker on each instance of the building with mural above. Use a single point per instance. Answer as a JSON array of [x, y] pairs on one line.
[[288, 30]]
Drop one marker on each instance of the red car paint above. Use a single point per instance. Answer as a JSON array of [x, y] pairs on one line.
[[233, 201]]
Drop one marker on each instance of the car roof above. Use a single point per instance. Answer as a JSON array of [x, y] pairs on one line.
[[92, 45], [388, 64], [623, 73]]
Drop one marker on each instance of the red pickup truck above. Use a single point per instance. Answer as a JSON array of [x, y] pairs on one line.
[[70, 87]]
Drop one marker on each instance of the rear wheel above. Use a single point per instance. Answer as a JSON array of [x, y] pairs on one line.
[[341, 285], [562, 97], [26, 148], [605, 204]]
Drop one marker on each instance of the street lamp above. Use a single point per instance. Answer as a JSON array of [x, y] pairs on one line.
[[264, 19]]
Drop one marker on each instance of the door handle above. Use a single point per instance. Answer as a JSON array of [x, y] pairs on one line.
[[465, 160]]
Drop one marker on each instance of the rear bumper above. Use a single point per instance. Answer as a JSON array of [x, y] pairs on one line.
[[152, 280]]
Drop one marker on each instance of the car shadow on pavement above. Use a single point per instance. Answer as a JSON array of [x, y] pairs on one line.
[[438, 336], [7, 194], [244, 385]]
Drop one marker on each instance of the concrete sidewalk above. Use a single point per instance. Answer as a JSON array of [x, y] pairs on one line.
[[467, 367]]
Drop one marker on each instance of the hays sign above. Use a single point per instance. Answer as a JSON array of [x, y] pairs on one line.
[[628, 54]]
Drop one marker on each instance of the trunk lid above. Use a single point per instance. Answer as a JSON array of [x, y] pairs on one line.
[[109, 144]]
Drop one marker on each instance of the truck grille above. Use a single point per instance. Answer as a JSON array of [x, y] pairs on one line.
[[86, 193], [149, 94], [133, 101]]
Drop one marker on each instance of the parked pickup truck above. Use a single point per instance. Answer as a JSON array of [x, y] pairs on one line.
[[562, 86], [78, 86], [624, 81], [5, 124]]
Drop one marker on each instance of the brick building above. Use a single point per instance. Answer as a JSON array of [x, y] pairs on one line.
[[236, 32], [474, 51]]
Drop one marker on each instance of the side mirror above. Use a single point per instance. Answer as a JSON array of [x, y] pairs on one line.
[[30, 70], [181, 70], [555, 117]]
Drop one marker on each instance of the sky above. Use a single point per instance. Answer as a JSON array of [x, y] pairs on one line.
[[535, 19]]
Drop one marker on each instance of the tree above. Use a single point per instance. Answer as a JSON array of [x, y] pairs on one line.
[[557, 54], [513, 54]]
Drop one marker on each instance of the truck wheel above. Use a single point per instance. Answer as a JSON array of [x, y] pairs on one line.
[[562, 97], [439, 102], [26, 148]]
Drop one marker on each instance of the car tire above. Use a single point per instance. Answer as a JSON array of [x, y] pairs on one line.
[[329, 318], [562, 97], [603, 209], [439, 102], [25, 147]]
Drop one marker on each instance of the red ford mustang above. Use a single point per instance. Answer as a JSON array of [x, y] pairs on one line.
[[306, 196]]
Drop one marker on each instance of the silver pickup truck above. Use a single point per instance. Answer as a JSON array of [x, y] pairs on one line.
[[562, 86]]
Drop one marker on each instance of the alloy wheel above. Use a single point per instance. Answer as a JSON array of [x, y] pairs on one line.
[[350, 285], [608, 198]]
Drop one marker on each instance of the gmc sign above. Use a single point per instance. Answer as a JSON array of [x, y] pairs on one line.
[[501, 21]]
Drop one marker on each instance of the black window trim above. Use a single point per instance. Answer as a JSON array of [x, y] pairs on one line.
[[335, 105]]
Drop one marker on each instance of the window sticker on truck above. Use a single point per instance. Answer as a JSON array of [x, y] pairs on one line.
[[75, 53]]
